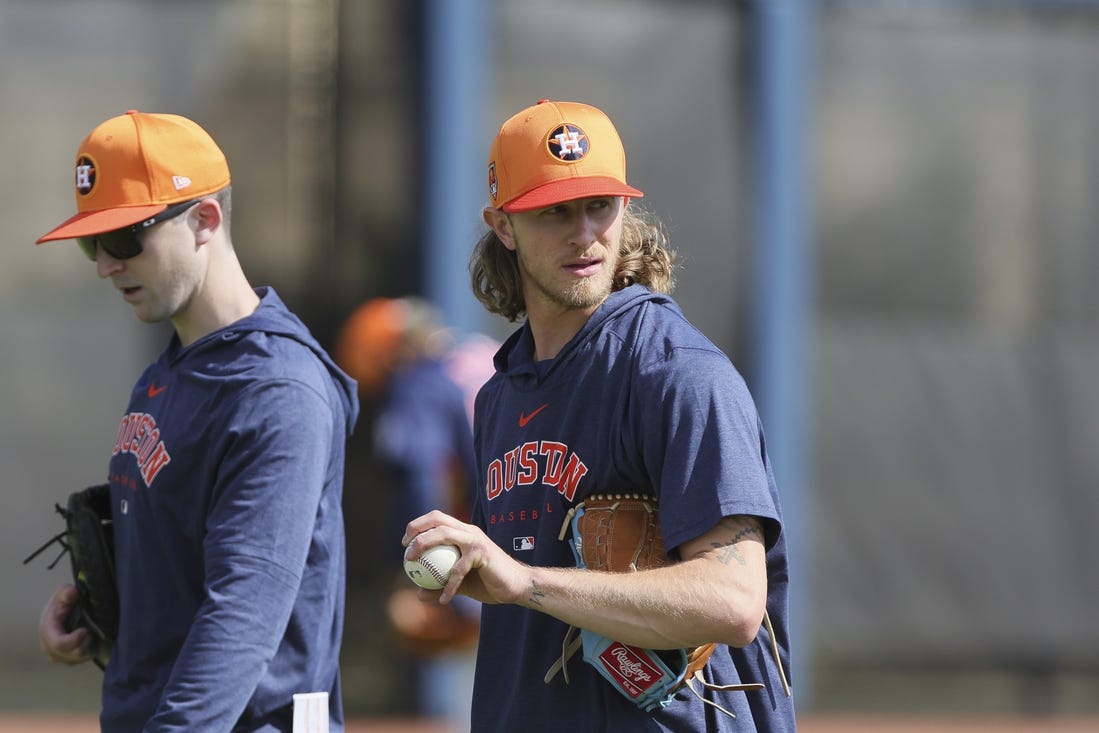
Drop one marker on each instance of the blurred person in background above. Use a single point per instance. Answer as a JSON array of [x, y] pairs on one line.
[[417, 381], [226, 476]]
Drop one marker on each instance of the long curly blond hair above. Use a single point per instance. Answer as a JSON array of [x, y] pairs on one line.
[[644, 257]]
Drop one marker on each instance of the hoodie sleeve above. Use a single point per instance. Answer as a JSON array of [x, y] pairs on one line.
[[258, 533]]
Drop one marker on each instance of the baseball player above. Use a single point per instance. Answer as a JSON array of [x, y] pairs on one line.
[[607, 389], [227, 468]]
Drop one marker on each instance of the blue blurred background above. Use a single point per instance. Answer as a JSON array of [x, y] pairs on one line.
[[885, 212]]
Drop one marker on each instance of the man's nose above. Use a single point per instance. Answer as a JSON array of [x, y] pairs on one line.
[[105, 264], [583, 230]]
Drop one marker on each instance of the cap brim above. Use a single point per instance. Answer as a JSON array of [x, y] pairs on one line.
[[87, 223], [569, 189]]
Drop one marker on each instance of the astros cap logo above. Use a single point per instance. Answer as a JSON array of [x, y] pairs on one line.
[[556, 151], [568, 142], [85, 175]]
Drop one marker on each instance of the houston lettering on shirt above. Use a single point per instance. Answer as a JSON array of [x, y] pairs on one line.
[[544, 462], [139, 436]]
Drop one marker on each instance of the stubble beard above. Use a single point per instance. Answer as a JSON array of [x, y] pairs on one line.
[[578, 294], [583, 294]]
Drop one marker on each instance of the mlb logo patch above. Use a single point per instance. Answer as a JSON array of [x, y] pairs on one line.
[[519, 544]]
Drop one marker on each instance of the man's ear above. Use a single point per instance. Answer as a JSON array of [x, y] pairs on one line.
[[500, 224], [207, 219]]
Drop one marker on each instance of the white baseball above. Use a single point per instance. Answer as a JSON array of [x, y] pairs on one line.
[[432, 569]]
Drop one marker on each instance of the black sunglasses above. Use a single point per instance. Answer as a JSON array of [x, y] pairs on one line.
[[122, 244]]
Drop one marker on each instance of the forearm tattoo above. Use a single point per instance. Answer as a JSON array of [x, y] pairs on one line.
[[741, 528]]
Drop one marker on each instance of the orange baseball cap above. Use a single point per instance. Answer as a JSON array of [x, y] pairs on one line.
[[553, 152], [132, 167], [367, 343]]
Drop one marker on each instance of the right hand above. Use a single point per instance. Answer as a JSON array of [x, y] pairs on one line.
[[484, 572], [61, 645]]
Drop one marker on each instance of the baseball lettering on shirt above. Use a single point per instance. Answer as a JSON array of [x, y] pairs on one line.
[[139, 436], [544, 462], [532, 513]]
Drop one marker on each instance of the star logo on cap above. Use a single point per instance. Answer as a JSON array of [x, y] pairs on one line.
[[568, 143], [85, 175]]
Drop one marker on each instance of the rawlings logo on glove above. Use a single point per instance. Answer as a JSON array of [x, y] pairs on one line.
[[636, 672], [629, 668]]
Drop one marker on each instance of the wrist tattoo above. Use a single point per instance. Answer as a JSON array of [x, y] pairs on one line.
[[536, 595]]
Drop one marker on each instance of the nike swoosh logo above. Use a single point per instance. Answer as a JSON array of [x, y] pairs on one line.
[[524, 419], [154, 390]]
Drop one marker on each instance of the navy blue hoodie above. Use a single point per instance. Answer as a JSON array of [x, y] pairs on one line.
[[226, 486], [639, 401]]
